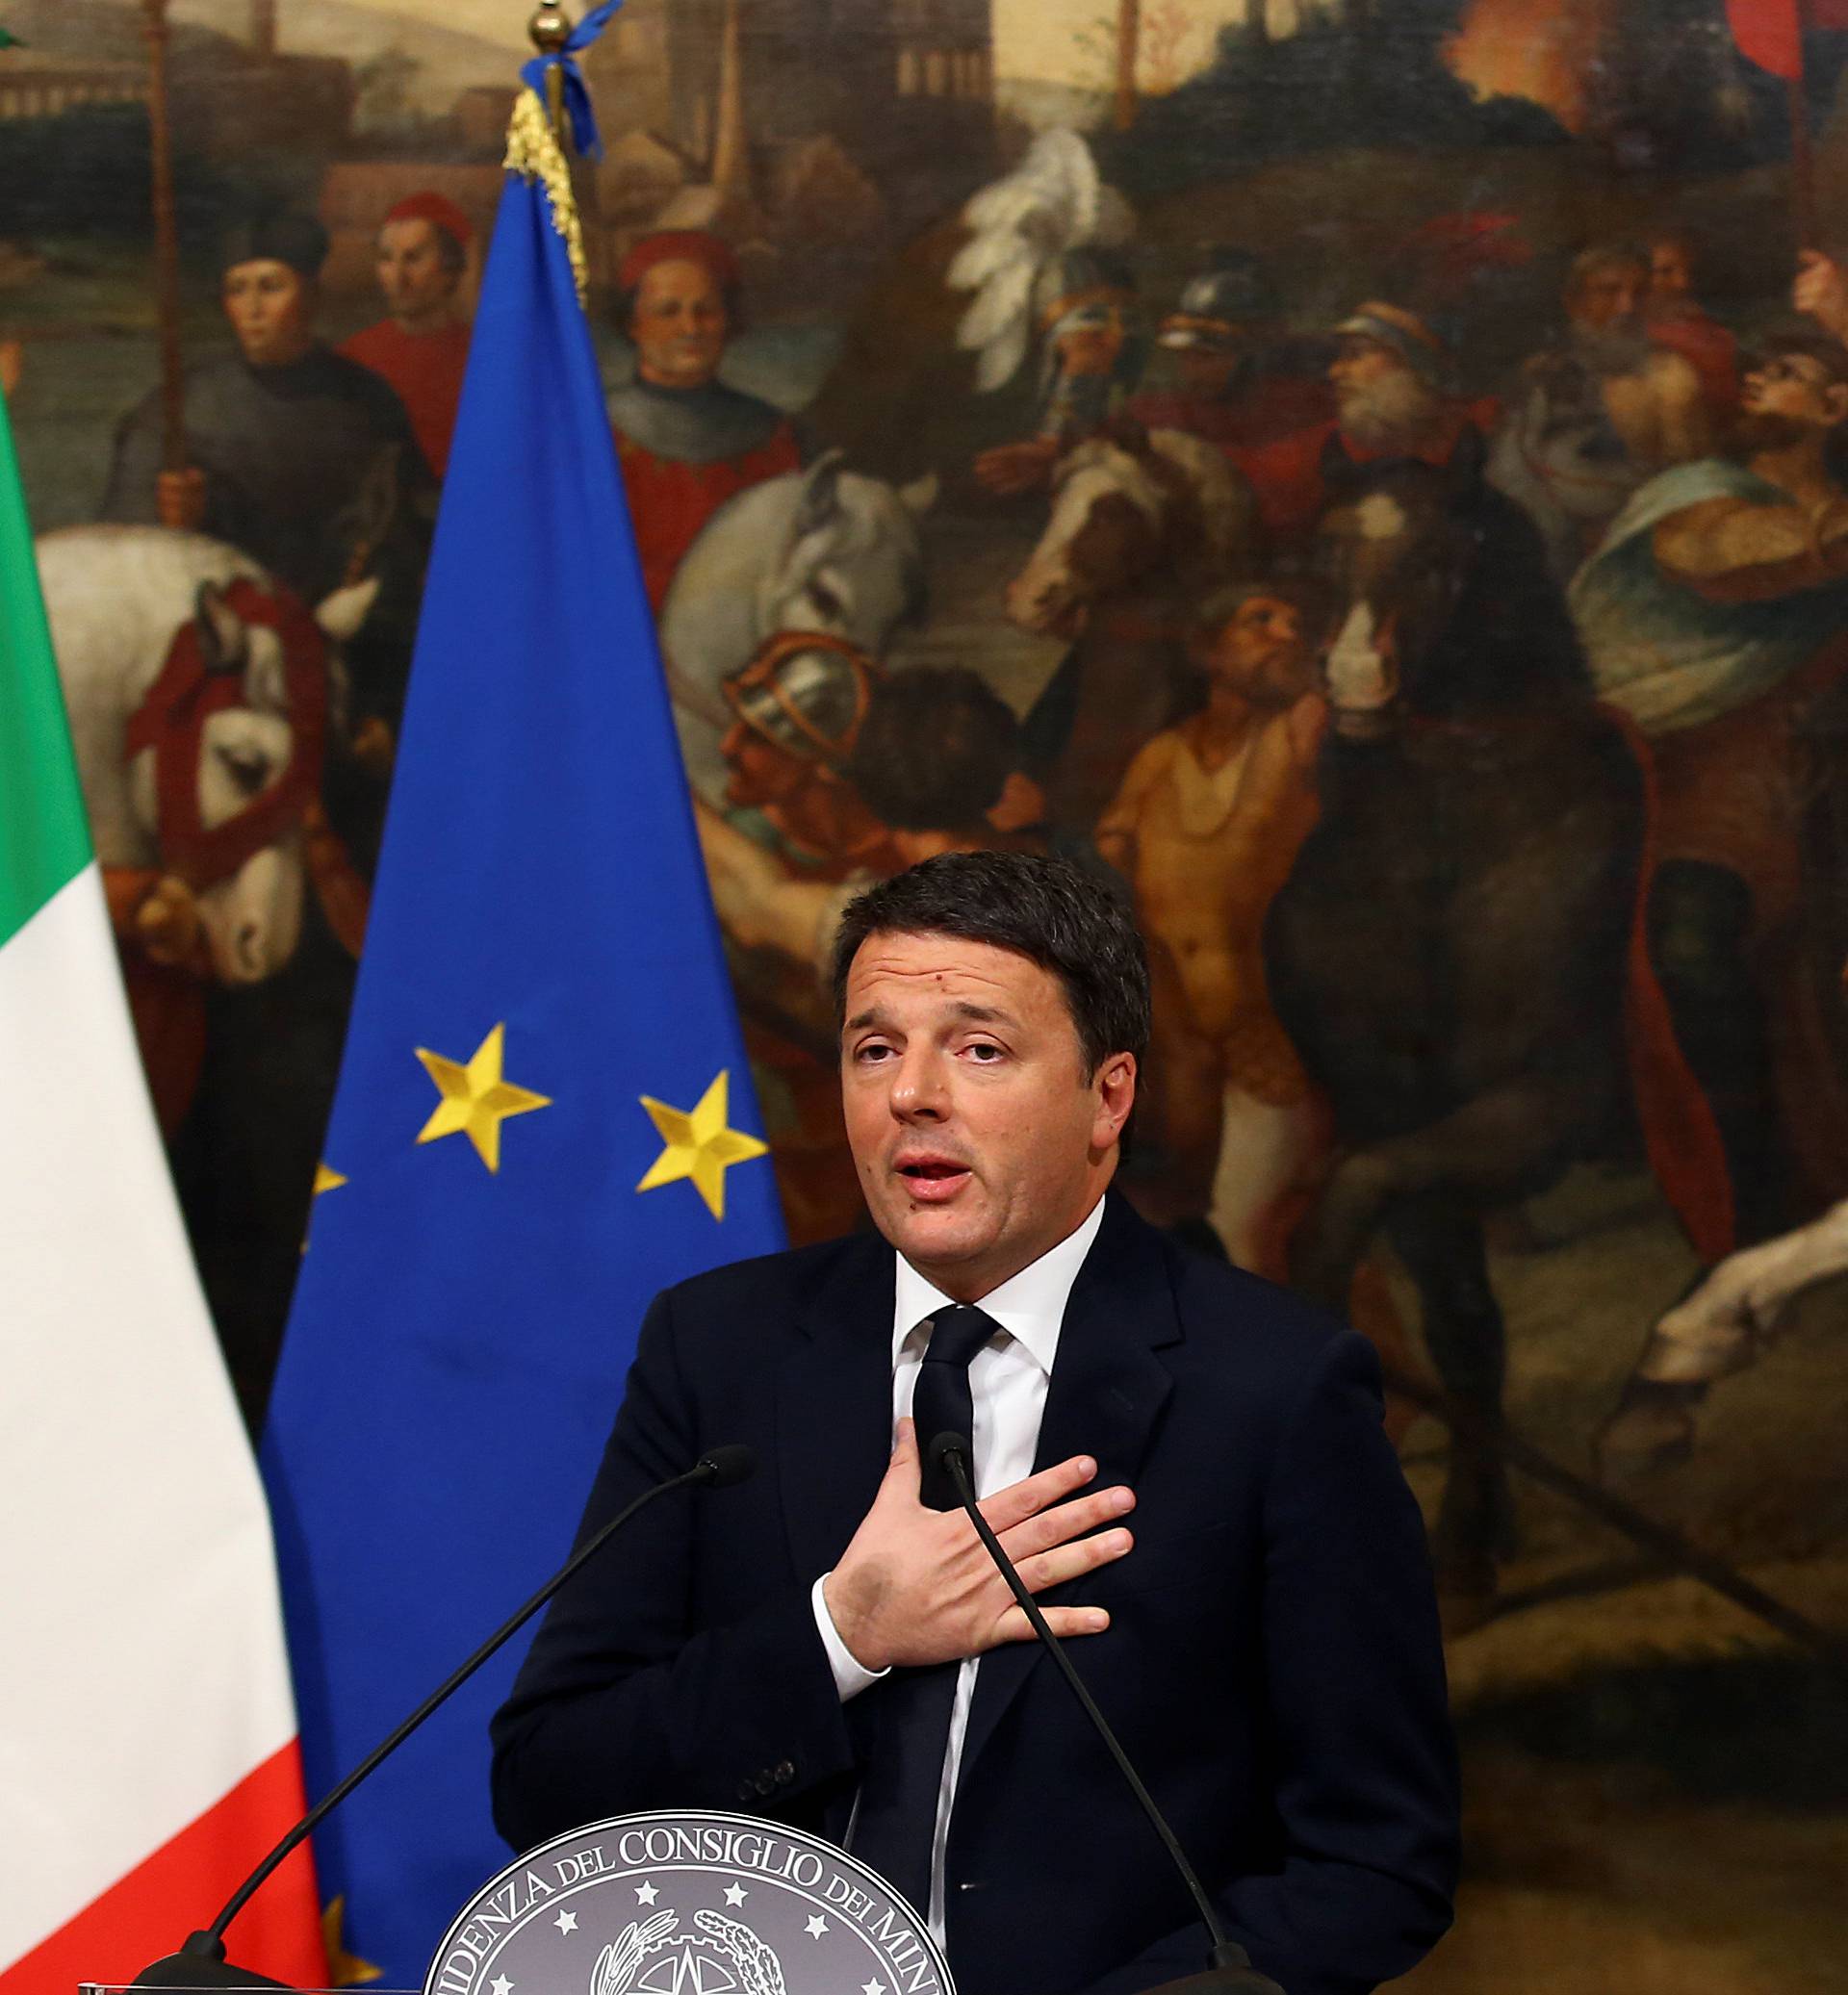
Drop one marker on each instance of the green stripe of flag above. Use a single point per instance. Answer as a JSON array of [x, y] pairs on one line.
[[44, 839]]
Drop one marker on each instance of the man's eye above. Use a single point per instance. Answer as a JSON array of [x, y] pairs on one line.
[[983, 1052]]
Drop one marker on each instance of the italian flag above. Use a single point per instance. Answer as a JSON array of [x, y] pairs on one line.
[[147, 1733]]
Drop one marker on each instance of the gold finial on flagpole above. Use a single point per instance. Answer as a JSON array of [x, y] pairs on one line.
[[536, 137], [550, 29]]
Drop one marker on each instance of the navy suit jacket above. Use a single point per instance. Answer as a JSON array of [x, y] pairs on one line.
[[1273, 1663]]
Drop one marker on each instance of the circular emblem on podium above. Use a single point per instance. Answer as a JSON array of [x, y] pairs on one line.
[[687, 1903]]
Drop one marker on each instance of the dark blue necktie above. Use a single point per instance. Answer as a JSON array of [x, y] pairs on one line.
[[896, 1821], [944, 1403]]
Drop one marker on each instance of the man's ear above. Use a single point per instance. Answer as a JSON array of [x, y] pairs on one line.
[[1835, 400], [1115, 1083]]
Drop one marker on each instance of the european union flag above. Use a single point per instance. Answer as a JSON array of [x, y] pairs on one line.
[[544, 1113]]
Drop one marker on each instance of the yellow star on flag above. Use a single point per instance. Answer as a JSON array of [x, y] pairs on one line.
[[475, 1099], [327, 1178], [699, 1145], [345, 1970]]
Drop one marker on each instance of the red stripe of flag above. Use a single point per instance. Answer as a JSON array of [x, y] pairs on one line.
[[180, 1887]]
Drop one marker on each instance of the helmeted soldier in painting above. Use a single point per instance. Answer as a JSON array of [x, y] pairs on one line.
[[1237, 383]]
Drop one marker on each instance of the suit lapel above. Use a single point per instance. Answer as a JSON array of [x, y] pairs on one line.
[[1105, 1398], [835, 1404]]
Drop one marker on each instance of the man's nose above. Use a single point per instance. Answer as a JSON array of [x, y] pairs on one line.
[[918, 1090]]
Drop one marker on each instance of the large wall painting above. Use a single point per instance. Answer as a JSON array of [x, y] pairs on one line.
[[1367, 474]]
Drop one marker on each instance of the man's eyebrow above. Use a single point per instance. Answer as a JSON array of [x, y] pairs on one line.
[[963, 1007]]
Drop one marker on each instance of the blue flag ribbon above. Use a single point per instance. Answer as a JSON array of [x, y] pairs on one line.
[[583, 120]]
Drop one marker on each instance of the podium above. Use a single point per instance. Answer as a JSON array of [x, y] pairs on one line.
[[676, 1901], [692, 1902], [687, 1901]]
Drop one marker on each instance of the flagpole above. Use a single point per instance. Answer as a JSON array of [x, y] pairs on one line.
[[550, 29], [166, 242], [1129, 26]]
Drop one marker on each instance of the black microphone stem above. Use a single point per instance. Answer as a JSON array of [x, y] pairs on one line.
[[701, 1471], [956, 1462]]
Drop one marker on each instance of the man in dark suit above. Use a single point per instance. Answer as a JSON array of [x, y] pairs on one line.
[[828, 1645]]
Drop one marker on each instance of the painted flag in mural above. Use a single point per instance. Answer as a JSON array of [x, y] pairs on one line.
[[543, 1114], [1770, 32], [148, 1738]]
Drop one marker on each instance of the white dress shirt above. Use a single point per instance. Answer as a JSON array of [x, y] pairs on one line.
[[1007, 1381]]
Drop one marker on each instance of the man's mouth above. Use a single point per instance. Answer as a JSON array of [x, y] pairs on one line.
[[931, 1180]]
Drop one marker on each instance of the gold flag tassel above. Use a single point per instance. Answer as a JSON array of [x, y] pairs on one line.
[[535, 143]]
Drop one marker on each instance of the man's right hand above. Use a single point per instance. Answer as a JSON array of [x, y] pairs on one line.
[[168, 926], [1011, 468], [915, 1587], [179, 498]]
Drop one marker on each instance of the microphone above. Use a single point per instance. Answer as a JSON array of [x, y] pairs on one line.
[[724, 1467], [200, 1962], [1228, 1966]]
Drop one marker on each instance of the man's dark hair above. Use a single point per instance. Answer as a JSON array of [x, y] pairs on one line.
[[1823, 348], [1069, 920], [275, 234], [1604, 256], [935, 748], [1314, 600]]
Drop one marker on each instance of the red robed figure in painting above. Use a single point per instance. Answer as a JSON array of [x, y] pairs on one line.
[[422, 347], [685, 440]]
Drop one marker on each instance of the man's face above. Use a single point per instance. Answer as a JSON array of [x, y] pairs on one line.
[[758, 772], [679, 326], [1376, 394], [1609, 298], [979, 1140], [1786, 398], [1261, 652], [1208, 371], [270, 307], [1359, 363], [412, 273], [1671, 276], [1094, 346]]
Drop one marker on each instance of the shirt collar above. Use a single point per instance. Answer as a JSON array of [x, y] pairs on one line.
[[1029, 1306]]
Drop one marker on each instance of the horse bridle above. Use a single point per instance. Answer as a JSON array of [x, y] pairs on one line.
[[171, 720]]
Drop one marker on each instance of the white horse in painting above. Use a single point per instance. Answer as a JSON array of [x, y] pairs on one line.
[[116, 597], [1723, 1327], [821, 549]]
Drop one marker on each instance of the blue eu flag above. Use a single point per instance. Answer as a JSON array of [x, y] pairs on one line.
[[544, 1113]]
